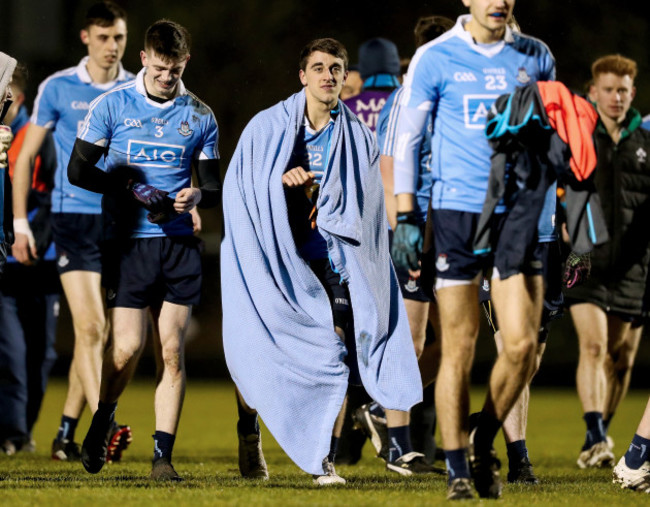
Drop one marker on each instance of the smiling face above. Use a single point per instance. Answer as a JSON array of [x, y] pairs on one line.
[[613, 95], [162, 75], [489, 18], [323, 78], [105, 44]]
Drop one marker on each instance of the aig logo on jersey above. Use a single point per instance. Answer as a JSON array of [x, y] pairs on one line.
[[146, 154], [475, 109]]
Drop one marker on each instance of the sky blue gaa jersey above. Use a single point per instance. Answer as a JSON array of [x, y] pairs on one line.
[[386, 137], [311, 152], [61, 104], [457, 80], [161, 140]]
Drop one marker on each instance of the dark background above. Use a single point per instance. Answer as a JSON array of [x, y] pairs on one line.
[[244, 59]]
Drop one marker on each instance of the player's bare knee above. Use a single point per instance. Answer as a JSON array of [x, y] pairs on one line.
[[593, 350], [90, 332], [172, 360], [521, 352]]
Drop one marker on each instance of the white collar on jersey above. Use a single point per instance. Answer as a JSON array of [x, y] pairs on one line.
[[140, 88], [486, 50], [84, 76]]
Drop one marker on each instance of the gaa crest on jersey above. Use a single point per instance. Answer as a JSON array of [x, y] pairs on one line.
[[522, 76], [442, 263], [185, 129]]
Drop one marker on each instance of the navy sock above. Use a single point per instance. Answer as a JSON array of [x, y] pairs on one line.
[[457, 466], [376, 409], [399, 439], [637, 453], [67, 428], [334, 443], [595, 430], [486, 431], [516, 451], [163, 445], [247, 423], [606, 423]]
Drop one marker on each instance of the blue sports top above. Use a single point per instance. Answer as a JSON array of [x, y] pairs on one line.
[[61, 104], [311, 152], [386, 135], [456, 80], [160, 139]]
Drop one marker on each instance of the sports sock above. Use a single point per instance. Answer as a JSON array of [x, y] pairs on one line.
[[163, 445], [334, 443], [105, 411], [637, 453], [67, 428], [247, 423], [607, 422], [377, 410], [399, 442], [487, 429], [457, 466], [516, 452], [595, 430]]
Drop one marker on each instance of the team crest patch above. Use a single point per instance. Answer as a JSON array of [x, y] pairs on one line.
[[63, 261], [185, 129], [641, 155], [441, 263], [411, 285], [522, 76]]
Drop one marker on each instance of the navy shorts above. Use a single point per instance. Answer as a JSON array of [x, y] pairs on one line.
[[145, 272], [550, 254], [337, 293], [454, 232], [78, 240]]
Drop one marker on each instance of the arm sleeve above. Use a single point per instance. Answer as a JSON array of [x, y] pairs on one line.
[[83, 172], [415, 105], [208, 175]]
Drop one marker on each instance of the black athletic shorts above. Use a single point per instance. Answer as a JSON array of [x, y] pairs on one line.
[[550, 254], [144, 272], [454, 232], [337, 292], [78, 240]]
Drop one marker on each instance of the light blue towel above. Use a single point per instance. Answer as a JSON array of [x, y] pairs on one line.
[[278, 331]]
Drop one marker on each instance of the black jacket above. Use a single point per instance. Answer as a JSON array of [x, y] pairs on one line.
[[620, 267]]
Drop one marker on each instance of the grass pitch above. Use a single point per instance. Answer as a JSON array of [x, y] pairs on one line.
[[206, 456]]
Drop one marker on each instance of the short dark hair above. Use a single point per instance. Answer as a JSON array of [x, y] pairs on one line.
[[103, 14], [615, 64], [428, 28], [168, 40], [329, 46], [19, 77]]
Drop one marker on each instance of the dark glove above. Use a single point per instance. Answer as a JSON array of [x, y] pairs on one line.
[[407, 242], [160, 206], [576, 269]]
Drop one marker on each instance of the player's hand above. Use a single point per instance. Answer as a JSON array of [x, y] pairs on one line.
[[24, 247], [160, 206], [297, 177], [187, 199], [407, 243], [6, 137], [576, 269], [196, 221]]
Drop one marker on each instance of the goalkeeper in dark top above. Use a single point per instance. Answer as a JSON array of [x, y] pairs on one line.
[[150, 132]]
